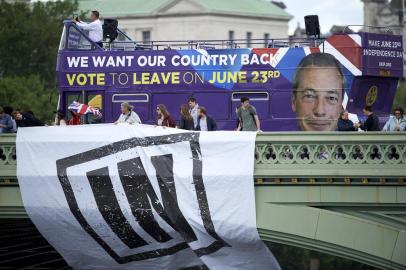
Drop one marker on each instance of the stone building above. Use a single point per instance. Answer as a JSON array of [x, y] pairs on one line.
[[383, 13], [195, 19], [389, 14]]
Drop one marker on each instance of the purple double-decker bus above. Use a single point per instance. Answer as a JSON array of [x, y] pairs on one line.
[[361, 69]]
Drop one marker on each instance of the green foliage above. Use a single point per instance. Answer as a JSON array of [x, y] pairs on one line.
[[30, 35], [28, 93], [400, 97]]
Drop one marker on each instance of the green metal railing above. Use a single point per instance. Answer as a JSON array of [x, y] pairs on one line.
[[300, 158], [8, 159], [326, 158], [339, 193]]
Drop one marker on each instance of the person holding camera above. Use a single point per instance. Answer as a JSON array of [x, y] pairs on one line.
[[95, 27]]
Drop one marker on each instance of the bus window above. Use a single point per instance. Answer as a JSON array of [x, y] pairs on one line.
[[130, 98], [96, 101], [260, 100], [70, 97], [140, 101], [77, 41], [63, 39]]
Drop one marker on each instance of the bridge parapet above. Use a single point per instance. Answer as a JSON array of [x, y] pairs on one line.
[[339, 193], [8, 159], [341, 158], [300, 157]]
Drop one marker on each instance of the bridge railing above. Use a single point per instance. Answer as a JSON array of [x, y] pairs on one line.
[[8, 159], [331, 158], [300, 158]]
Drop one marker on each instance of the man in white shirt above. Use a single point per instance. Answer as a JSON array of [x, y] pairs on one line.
[[193, 106], [128, 115], [94, 28]]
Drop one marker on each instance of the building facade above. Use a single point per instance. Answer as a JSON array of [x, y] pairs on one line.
[[195, 19], [389, 14]]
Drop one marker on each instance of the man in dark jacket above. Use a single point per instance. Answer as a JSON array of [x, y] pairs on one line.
[[345, 124], [205, 122], [26, 119], [372, 122]]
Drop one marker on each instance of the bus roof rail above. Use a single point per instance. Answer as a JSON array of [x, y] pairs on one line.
[[125, 43], [390, 29]]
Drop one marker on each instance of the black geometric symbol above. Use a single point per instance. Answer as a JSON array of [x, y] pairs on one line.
[[141, 197]]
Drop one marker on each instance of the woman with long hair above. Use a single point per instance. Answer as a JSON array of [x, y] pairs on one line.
[[186, 119], [164, 118]]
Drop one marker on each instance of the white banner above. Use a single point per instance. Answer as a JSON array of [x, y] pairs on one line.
[[142, 197]]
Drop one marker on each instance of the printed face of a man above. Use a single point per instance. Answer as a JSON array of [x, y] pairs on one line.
[[318, 99]]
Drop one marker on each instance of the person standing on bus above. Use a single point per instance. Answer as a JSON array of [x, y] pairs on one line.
[[205, 122], [247, 116], [128, 115], [164, 119], [95, 27], [186, 120], [193, 106]]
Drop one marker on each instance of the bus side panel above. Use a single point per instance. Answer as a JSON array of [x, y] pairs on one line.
[[282, 115], [377, 92], [140, 101]]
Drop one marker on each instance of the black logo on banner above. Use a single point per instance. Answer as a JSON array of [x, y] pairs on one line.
[[140, 193]]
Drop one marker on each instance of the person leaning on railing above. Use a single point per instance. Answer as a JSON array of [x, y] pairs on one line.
[[345, 124], [128, 115], [397, 122], [372, 122]]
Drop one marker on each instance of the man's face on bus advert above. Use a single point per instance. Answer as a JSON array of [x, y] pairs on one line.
[[318, 98]]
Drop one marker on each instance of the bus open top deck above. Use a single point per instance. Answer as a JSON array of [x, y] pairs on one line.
[[219, 72]]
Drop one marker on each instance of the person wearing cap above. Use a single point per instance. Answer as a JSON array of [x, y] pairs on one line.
[[128, 115]]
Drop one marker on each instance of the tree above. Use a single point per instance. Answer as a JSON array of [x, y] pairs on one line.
[[400, 97], [30, 36], [29, 94]]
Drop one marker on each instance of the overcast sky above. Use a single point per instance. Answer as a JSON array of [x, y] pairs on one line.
[[339, 12]]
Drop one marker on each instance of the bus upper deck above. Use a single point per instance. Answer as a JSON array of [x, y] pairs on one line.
[[219, 72]]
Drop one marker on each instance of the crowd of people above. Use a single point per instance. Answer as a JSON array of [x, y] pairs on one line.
[[195, 118], [11, 119], [396, 122]]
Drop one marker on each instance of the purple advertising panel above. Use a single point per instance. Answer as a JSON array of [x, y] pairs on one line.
[[300, 88], [382, 55]]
